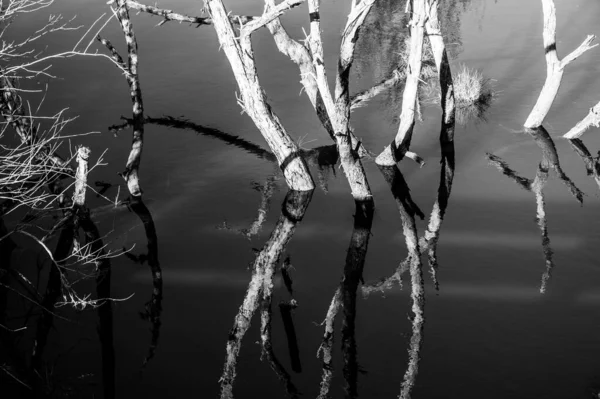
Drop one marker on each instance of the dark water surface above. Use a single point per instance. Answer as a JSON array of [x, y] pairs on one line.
[[489, 332]]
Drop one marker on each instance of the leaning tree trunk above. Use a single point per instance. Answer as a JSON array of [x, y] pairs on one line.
[[554, 67], [253, 100], [395, 151]]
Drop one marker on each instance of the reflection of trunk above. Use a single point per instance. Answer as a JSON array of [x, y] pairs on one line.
[[407, 210], [267, 348], [345, 297], [592, 165], [261, 284], [8, 338], [266, 192], [290, 332], [549, 161], [432, 233], [353, 274], [105, 311], [153, 307], [253, 100], [554, 66], [53, 292]]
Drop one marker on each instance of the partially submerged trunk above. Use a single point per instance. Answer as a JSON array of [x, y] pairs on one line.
[[432, 233], [338, 108], [592, 119], [135, 155], [253, 100], [554, 66], [397, 149]]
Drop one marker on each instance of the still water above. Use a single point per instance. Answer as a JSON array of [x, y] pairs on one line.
[[489, 332]]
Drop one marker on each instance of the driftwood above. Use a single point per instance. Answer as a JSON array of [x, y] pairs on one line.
[[554, 67], [591, 119]]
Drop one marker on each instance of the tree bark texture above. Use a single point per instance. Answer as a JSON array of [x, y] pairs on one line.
[[253, 100], [395, 151], [131, 173]]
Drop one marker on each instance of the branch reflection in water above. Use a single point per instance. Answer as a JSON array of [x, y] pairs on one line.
[[345, 297], [592, 165], [536, 186], [260, 290], [408, 209], [322, 158], [153, 308]]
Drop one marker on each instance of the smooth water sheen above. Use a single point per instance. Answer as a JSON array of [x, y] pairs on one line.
[[488, 333]]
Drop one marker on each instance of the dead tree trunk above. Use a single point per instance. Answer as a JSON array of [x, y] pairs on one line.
[[397, 149], [339, 108], [253, 100], [131, 74], [432, 233], [554, 66]]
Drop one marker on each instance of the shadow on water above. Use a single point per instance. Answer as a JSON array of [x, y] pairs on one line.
[[536, 186]]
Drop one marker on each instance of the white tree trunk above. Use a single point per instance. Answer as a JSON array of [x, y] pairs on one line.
[[395, 151], [554, 66], [592, 119], [253, 100]]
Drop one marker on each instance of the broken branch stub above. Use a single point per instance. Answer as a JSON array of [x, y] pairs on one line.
[[554, 66], [253, 100]]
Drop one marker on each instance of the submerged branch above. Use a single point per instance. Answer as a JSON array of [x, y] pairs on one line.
[[592, 165]]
